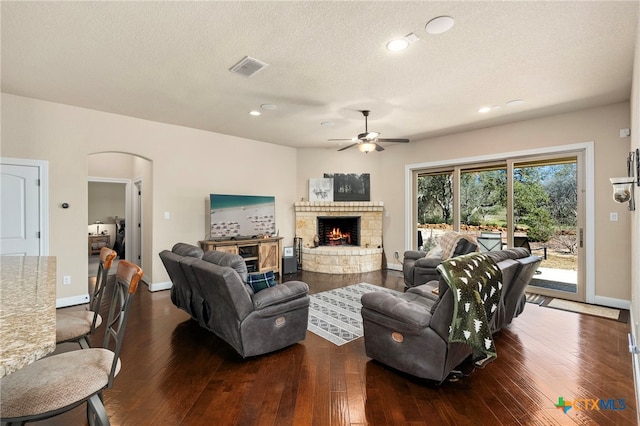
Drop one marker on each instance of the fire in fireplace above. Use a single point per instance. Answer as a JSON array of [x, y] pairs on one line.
[[339, 230]]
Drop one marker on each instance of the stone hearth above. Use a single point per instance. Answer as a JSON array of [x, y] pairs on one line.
[[366, 257]]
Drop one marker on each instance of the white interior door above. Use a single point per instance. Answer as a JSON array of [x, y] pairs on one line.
[[20, 231]]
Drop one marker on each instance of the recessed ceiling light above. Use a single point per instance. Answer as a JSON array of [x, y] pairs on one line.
[[484, 109], [398, 44], [327, 123], [268, 107], [515, 102], [402, 43], [255, 113], [439, 25]]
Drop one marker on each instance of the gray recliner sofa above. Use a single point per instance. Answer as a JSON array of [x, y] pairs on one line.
[[183, 293], [213, 290], [515, 282], [410, 331], [419, 267]]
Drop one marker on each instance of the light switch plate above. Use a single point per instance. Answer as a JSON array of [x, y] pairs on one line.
[[613, 217]]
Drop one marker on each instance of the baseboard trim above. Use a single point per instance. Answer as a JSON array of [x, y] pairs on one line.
[[612, 302], [394, 266], [160, 286], [72, 301]]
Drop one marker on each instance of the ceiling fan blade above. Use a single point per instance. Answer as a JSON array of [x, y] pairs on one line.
[[369, 137], [346, 139], [393, 140], [348, 146]]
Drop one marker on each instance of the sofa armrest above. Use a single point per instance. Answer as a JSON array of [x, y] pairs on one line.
[[410, 309], [428, 262], [414, 254], [429, 290], [281, 293]]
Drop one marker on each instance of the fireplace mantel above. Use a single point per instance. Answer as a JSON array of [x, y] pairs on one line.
[[339, 206], [364, 258]]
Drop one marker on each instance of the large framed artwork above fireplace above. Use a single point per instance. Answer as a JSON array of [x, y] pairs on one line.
[[349, 235]]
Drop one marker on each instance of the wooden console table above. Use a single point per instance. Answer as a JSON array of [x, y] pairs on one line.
[[260, 254], [96, 242]]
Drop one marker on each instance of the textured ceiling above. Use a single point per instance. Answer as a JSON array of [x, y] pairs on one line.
[[169, 62]]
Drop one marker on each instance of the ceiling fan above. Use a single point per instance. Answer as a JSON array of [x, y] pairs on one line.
[[368, 141]]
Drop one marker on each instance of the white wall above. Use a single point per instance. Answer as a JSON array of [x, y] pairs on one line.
[[188, 165], [106, 201], [600, 125]]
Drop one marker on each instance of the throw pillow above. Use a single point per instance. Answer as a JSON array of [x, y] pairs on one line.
[[261, 281], [435, 252]]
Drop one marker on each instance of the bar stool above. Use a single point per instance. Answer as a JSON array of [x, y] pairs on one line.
[[59, 383], [77, 326]]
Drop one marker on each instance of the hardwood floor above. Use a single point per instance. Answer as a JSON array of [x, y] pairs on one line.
[[176, 373]]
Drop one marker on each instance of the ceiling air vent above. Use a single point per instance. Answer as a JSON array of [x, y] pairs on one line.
[[248, 66]]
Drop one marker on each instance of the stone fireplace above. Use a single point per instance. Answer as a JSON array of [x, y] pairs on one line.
[[349, 236]]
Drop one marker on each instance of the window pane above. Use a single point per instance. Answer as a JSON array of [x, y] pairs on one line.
[[435, 207], [483, 201]]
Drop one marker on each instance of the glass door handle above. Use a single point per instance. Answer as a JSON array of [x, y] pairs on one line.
[[581, 238]]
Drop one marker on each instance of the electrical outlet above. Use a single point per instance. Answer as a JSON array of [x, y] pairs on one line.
[[66, 279]]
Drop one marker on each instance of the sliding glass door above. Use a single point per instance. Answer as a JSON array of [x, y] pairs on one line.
[[547, 219], [534, 202]]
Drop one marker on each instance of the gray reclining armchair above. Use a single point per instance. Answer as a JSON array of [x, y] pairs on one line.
[[419, 267]]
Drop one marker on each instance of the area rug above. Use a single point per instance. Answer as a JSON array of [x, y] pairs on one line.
[[335, 316], [536, 299], [584, 308]]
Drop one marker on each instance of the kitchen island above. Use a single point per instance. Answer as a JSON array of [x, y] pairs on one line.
[[27, 310]]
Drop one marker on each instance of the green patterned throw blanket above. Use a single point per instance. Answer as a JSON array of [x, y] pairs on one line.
[[476, 283]]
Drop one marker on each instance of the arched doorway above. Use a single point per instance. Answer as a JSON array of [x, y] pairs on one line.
[[121, 176]]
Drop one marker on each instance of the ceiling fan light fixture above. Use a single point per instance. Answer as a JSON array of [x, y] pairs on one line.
[[366, 147], [372, 135]]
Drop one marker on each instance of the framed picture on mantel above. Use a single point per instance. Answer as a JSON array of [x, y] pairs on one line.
[[320, 189], [350, 186]]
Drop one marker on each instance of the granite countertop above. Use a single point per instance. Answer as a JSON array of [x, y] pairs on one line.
[[27, 310]]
